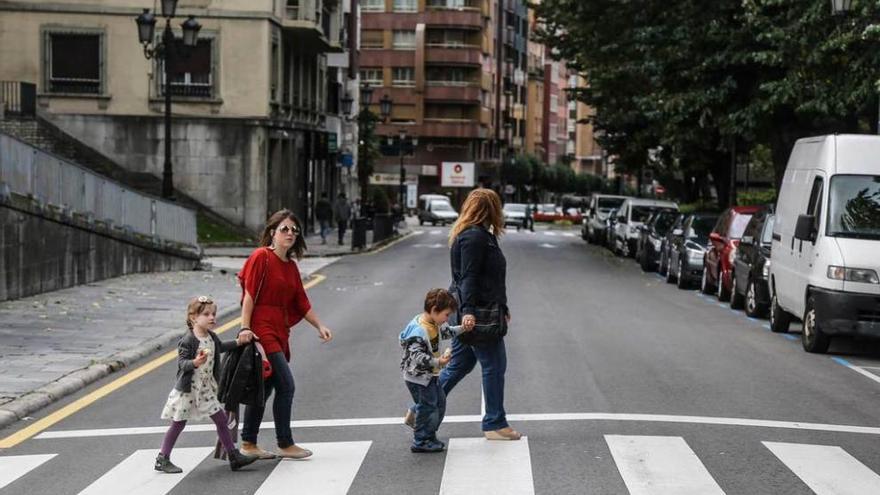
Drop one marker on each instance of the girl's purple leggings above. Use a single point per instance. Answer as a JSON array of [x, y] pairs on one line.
[[219, 419]]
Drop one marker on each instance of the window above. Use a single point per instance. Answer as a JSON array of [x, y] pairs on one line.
[[554, 103], [403, 76], [405, 6], [75, 63], [373, 77], [372, 38], [404, 40], [449, 76], [373, 5], [191, 76], [446, 37]]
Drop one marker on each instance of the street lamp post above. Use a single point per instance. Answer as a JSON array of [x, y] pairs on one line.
[[164, 50]]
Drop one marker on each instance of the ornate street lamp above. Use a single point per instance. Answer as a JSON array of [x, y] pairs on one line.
[[840, 7], [385, 107], [164, 50], [366, 94]]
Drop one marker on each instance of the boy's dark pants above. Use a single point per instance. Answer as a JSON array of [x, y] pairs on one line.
[[430, 409]]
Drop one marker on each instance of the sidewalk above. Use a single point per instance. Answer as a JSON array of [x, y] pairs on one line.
[[57, 343]]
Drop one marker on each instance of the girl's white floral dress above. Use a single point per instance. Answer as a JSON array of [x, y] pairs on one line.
[[202, 401]]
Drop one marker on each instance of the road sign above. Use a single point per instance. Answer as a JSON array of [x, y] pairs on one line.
[[457, 174]]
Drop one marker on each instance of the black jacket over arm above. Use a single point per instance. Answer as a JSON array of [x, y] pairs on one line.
[[479, 269]]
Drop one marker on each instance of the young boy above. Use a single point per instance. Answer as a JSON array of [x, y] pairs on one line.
[[421, 366]]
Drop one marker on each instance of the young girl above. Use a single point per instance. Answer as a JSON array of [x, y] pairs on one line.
[[195, 394]]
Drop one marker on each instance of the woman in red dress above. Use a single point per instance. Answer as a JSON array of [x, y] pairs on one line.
[[273, 301]]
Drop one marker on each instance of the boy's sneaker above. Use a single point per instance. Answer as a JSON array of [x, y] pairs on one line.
[[164, 465], [431, 446], [410, 419]]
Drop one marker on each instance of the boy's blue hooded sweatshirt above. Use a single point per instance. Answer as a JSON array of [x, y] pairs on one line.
[[418, 361]]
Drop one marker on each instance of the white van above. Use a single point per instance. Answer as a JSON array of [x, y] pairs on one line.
[[630, 217], [826, 240]]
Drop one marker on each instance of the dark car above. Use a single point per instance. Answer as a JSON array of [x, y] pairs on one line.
[[688, 248], [667, 244], [723, 242], [751, 266], [651, 237]]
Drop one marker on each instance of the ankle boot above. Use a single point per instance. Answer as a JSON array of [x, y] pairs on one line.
[[164, 465], [237, 460]]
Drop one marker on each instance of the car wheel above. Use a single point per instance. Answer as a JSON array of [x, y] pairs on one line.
[[737, 300], [813, 338], [753, 309], [421, 222], [779, 318], [722, 294], [646, 264], [705, 286], [661, 267]]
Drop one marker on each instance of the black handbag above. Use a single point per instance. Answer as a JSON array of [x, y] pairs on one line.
[[491, 325]]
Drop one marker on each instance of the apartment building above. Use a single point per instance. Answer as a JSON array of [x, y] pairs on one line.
[[256, 103], [454, 71]]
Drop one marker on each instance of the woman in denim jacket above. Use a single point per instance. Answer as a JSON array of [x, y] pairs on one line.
[[479, 272]]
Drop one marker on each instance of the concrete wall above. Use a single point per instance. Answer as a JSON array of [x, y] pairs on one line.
[[41, 252], [219, 162]]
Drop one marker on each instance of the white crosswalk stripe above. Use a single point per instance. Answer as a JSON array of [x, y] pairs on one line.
[[660, 466], [550, 233], [15, 466], [475, 465], [330, 472], [827, 470], [648, 465], [136, 476]]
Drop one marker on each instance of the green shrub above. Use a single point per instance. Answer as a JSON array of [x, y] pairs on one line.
[[380, 199], [756, 197]]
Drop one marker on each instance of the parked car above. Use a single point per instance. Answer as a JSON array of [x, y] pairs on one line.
[[751, 266], [594, 223], [663, 265], [631, 215], [438, 211], [545, 213], [688, 247], [651, 237], [723, 242], [826, 237], [515, 215]]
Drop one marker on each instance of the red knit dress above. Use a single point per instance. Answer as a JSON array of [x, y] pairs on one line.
[[280, 300]]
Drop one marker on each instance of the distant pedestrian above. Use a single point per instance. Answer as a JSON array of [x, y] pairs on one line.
[[324, 215], [342, 213], [273, 301], [195, 394], [421, 364], [479, 273]]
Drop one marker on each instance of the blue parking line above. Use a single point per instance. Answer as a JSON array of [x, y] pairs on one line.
[[789, 337], [842, 361], [767, 326]]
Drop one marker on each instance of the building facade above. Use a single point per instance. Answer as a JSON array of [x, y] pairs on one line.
[[256, 103]]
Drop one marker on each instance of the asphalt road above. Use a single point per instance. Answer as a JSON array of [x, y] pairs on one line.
[[597, 351]]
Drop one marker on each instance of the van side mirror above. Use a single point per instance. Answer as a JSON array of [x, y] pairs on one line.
[[678, 233], [803, 229], [747, 240]]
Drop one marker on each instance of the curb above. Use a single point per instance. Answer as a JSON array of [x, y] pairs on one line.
[[32, 401]]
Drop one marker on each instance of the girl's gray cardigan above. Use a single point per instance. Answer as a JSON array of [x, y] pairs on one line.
[[187, 349]]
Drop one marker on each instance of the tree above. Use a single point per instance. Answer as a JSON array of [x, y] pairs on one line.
[[368, 149]]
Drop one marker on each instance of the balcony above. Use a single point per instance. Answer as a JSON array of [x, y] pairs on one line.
[[452, 54], [313, 25], [461, 18], [452, 92], [452, 128]]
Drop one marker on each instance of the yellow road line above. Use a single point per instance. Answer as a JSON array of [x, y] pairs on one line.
[[90, 398], [386, 246]]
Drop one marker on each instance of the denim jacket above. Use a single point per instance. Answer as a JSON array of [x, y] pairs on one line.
[[418, 361]]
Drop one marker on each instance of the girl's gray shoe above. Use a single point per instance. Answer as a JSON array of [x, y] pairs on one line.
[[164, 465]]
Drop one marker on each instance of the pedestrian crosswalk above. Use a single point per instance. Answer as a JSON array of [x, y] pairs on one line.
[[646, 465]]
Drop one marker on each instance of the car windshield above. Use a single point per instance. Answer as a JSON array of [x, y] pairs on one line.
[[854, 206], [440, 206], [767, 234], [664, 222], [516, 208], [641, 213], [606, 204], [701, 227], [738, 226]]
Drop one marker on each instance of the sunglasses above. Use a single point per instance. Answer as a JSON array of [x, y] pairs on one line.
[[205, 300], [286, 228]]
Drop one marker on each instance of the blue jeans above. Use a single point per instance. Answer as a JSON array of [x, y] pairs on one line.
[[493, 361], [281, 381], [325, 229], [430, 409]]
